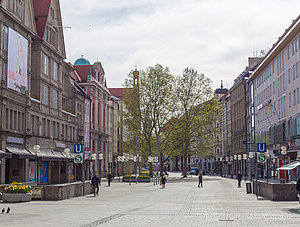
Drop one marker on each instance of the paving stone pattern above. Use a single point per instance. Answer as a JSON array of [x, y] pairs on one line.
[[181, 203]]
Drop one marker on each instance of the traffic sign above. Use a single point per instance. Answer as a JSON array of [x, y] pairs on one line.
[[261, 157], [78, 148], [261, 147], [78, 158]]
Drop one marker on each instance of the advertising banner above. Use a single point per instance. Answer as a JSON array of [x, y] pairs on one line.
[[32, 171], [44, 172], [17, 62]]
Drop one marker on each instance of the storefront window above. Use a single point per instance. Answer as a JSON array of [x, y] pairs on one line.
[[298, 125]]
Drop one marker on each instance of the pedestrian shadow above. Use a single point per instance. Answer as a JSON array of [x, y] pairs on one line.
[[90, 196], [262, 198]]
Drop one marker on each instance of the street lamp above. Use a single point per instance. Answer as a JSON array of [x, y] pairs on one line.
[[135, 163], [100, 157], [36, 150]]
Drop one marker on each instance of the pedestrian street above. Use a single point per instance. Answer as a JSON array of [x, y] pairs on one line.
[[218, 203]]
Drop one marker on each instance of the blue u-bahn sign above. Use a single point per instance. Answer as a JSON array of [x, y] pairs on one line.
[[261, 147]]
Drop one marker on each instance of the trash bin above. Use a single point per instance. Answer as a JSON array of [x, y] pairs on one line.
[[248, 187]]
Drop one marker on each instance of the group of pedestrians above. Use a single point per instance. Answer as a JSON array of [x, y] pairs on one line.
[[96, 182]]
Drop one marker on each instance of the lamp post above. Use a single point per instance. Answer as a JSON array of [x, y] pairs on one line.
[[67, 153], [36, 150], [100, 157], [135, 163], [235, 164]]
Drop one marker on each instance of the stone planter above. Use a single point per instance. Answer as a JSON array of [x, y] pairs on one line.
[[15, 198]]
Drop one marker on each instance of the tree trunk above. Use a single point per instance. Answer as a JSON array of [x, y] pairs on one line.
[[184, 165]]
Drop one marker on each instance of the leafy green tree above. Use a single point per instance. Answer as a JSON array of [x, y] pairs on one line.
[[149, 106], [196, 111]]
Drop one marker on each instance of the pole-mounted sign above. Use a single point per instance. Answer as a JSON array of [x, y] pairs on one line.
[[261, 147]]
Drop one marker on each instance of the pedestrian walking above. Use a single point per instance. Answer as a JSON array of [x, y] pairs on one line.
[[163, 182], [239, 178], [298, 187], [200, 181], [95, 183], [109, 178]]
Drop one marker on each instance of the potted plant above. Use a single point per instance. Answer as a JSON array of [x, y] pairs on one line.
[[17, 192]]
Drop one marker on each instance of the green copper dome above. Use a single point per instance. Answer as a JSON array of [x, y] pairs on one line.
[[81, 61]]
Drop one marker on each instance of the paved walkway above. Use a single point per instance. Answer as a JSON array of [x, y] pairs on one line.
[[218, 203]]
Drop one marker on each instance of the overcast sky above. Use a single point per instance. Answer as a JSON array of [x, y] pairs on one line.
[[215, 37]]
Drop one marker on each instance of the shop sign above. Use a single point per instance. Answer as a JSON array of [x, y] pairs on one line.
[[36, 192], [61, 145], [11, 139]]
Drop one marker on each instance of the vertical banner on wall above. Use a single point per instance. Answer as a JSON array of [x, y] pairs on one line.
[[71, 171], [44, 172], [32, 171], [17, 62]]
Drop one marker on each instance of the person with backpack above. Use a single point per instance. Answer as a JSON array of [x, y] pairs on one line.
[[95, 183]]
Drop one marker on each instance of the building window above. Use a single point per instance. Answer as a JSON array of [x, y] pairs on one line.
[[297, 69], [4, 71], [295, 98], [36, 126], [7, 119], [43, 127], [57, 130], [298, 96], [55, 70], [46, 95], [4, 37], [290, 99], [46, 65], [53, 129], [294, 76], [289, 75], [54, 99]]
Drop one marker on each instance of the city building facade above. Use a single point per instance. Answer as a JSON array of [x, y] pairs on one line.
[[275, 102]]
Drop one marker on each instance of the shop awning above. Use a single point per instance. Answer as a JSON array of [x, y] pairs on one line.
[[4, 154], [21, 152], [289, 166], [59, 154]]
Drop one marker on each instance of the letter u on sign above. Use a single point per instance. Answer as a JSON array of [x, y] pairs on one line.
[[261, 147], [78, 148]]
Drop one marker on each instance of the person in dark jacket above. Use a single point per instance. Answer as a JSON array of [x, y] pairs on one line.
[[239, 178], [95, 183], [163, 182], [109, 178], [200, 181], [298, 187]]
